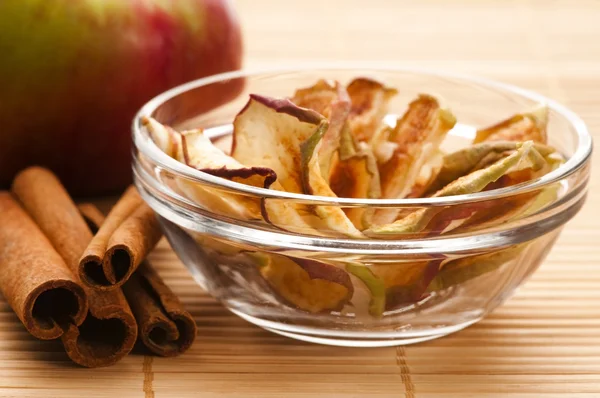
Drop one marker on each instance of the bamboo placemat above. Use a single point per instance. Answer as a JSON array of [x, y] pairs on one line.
[[544, 342]]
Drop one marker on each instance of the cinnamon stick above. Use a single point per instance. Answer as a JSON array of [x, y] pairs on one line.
[[91, 266], [92, 216], [164, 326], [129, 233], [109, 330], [34, 279]]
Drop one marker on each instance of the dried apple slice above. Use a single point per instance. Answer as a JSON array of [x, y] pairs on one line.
[[196, 150], [331, 217], [521, 127], [370, 100], [373, 283], [331, 100], [284, 137], [393, 285], [476, 181], [461, 270], [475, 157], [268, 132], [309, 285], [464, 269], [321, 96], [166, 138], [201, 154], [417, 136], [356, 176], [530, 126], [519, 206], [527, 126]]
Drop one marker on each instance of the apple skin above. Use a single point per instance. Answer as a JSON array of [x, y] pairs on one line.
[[74, 73]]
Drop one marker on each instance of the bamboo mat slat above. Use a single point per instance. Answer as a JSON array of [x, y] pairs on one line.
[[544, 342]]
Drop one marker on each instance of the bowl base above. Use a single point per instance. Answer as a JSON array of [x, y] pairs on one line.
[[357, 340]]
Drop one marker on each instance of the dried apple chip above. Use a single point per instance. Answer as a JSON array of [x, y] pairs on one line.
[[521, 205], [373, 283], [476, 181], [490, 144], [331, 100], [166, 138], [521, 127], [321, 96], [526, 126], [356, 175], [268, 132], [201, 154], [309, 285], [461, 270], [331, 217], [417, 137], [393, 285], [370, 100], [286, 138], [475, 157], [196, 150]]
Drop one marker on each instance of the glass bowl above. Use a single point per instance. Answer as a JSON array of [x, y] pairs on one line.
[[314, 286]]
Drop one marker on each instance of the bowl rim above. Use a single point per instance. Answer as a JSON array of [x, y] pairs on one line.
[[149, 149]]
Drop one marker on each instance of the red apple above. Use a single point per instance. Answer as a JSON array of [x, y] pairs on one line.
[[74, 72]]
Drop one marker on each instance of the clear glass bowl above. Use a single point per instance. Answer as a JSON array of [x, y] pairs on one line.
[[314, 286]]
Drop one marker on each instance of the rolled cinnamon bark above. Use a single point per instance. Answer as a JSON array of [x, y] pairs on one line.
[[92, 269], [165, 327], [129, 233], [132, 242], [34, 279], [109, 330], [92, 216]]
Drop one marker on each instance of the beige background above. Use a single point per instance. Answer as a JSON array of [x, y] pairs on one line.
[[544, 342]]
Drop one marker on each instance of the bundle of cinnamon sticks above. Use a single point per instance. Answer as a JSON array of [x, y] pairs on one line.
[[69, 273]]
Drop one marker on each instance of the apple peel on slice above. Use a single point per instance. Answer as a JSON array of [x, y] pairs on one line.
[[370, 100], [476, 181], [309, 285]]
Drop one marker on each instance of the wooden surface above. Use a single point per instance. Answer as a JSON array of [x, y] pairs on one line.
[[544, 342]]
